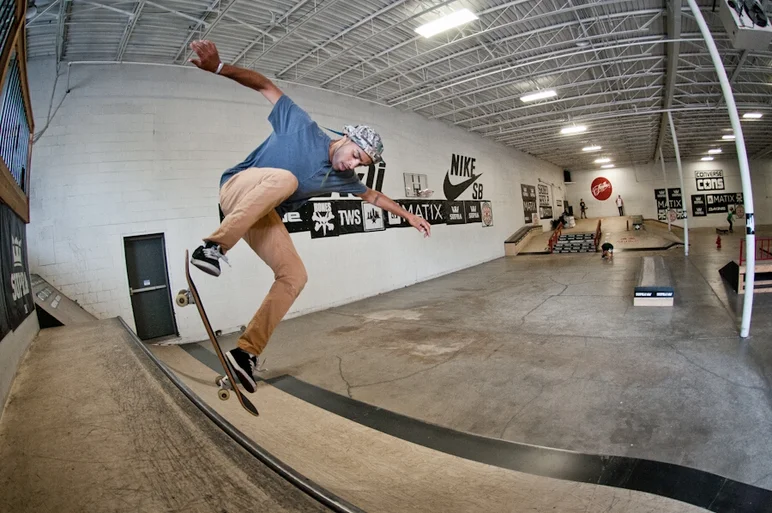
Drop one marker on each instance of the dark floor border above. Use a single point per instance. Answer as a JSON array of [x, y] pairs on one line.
[[696, 487], [307, 486]]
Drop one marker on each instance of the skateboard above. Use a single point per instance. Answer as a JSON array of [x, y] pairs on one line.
[[224, 383], [720, 230]]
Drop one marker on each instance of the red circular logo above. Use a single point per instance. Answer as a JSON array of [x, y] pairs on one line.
[[601, 188]]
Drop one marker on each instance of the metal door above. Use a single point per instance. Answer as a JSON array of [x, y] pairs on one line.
[[151, 298]]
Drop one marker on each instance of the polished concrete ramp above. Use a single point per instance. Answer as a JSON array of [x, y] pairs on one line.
[[93, 425], [383, 473]]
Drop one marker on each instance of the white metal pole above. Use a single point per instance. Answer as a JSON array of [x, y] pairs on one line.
[[745, 174], [681, 177], [667, 196]]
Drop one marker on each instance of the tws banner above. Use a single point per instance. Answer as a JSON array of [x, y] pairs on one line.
[[330, 218], [16, 301]]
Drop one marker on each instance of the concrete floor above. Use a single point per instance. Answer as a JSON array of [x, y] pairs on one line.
[[548, 350]]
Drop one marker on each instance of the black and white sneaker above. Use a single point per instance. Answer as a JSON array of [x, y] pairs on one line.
[[207, 258], [244, 364]]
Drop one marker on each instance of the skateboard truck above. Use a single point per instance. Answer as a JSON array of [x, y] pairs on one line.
[[184, 298]]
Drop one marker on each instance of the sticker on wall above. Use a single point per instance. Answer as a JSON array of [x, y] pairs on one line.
[[601, 188], [348, 215], [323, 219], [472, 211], [373, 217], [719, 203], [487, 213], [545, 202], [456, 212]]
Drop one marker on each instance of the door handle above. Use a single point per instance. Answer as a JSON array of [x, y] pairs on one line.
[[146, 289]]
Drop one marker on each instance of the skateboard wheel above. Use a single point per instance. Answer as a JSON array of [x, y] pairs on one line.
[[223, 394], [182, 298]]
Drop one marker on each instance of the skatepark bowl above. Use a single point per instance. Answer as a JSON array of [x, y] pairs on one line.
[[525, 384]]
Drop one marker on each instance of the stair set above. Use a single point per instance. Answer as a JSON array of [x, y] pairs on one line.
[[575, 243]]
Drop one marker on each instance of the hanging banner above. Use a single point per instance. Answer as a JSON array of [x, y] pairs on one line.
[[545, 202], [709, 180], [660, 195], [719, 203], [17, 293], [529, 202], [698, 205], [676, 202]]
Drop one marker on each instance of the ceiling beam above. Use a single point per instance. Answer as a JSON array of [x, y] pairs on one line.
[[671, 75], [133, 19], [194, 30]]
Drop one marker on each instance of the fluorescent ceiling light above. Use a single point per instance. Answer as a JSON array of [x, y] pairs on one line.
[[706, 158], [541, 95], [607, 166], [713, 152], [752, 115], [603, 160], [728, 137], [591, 148], [448, 22], [573, 129]]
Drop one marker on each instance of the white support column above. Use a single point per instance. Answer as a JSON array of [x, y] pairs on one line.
[[745, 174], [667, 196], [681, 177]]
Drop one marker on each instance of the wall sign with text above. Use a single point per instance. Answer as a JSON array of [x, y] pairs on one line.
[[529, 202], [669, 199], [709, 180]]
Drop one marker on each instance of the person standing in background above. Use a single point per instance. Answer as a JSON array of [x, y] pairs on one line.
[[583, 208], [620, 204]]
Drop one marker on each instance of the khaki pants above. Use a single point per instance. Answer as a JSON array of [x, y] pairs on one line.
[[248, 201]]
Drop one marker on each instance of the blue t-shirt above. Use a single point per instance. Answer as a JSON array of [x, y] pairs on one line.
[[298, 145]]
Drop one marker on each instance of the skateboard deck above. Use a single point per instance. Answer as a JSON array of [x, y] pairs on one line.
[[223, 392], [721, 230]]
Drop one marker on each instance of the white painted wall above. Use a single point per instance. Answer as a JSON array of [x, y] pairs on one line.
[[140, 149], [13, 347], [637, 184]]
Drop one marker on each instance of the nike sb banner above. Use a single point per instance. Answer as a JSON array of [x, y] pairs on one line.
[[17, 302], [460, 177]]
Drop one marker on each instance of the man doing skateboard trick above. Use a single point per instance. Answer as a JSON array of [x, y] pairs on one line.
[[296, 162]]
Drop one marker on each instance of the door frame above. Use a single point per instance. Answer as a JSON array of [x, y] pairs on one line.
[[162, 236]]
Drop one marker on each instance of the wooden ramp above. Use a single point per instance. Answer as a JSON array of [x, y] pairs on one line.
[[381, 473], [93, 425]]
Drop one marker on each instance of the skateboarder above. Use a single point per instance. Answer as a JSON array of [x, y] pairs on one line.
[[296, 162], [583, 208], [729, 217], [608, 250]]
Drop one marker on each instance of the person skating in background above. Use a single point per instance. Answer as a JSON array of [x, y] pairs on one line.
[[729, 217], [583, 209], [608, 250]]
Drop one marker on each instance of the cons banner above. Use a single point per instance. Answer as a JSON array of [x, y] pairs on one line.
[[16, 301]]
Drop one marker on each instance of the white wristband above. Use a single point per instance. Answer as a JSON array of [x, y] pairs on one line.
[[219, 68]]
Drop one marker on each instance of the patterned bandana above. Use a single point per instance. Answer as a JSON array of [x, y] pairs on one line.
[[367, 139]]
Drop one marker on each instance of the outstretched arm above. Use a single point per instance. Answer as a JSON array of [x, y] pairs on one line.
[[381, 200], [209, 60]]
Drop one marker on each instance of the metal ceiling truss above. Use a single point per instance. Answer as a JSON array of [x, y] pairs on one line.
[[618, 66]]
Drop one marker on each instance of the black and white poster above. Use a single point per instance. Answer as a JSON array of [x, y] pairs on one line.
[[529, 202], [299, 220], [719, 203], [676, 202], [709, 180], [323, 221], [17, 302], [374, 217], [660, 195], [698, 205], [473, 212], [348, 215], [545, 203], [456, 212], [431, 210]]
